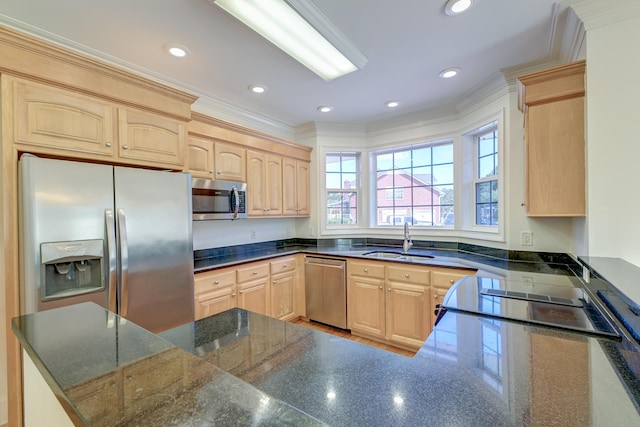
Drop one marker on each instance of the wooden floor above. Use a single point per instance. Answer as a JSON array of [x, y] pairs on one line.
[[346, 334]]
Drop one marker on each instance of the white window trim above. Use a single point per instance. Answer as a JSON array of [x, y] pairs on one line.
[[326, 228]]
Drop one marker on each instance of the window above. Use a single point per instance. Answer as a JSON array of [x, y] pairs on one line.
[[341, 186], [415, 185], [486, 179]]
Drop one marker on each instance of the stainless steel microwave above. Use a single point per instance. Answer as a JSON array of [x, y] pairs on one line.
[[218, 199]]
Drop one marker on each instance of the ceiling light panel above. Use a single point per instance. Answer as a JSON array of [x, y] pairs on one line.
[[280, 22]]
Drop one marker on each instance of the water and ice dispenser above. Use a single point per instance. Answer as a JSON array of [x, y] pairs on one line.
[[71, 268]]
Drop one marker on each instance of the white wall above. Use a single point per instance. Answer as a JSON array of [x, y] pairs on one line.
[[216, 234], [613, 144]]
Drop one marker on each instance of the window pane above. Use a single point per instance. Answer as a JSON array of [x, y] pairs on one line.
[[443, 174], [486, 167], [341, 208], [487, 203], [422, 157], [424, 196], [443, 154], [423, 175], [333, 163], [384, 161], [483, 192], [349, 164], [487, 144], [402, 160], [348, 180], [333, 180]]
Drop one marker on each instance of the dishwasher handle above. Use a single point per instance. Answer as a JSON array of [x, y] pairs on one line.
[[325, 262]]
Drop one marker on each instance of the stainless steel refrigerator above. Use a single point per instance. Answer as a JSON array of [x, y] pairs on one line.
[[117, 236]]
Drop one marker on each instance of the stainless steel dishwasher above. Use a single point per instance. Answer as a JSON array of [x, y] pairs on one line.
[[326, 290]]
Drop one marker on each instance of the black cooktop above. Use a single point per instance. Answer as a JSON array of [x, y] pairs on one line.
[[557, 305]]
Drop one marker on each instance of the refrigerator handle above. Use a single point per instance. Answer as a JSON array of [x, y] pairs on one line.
[[109, 222], [124, 264]]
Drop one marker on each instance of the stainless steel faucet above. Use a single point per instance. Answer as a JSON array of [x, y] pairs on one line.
[[407, 238]]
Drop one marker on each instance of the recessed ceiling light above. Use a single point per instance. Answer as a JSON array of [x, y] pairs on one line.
[[455, 7], [257, 88], [324, 108], [391, 104], [177, 50], [449, 72]]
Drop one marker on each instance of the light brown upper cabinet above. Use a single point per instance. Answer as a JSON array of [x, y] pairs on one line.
[[55, 121], [553, 103], [216, 160], [230, 162], [264, 184], [295, 190]]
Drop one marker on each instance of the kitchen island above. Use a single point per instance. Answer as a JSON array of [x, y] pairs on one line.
[[471, 371]]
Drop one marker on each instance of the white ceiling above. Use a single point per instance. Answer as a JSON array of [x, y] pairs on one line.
[[407, 43]]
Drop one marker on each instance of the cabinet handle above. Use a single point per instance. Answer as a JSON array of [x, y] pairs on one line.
[[219, 173], [388, 289], [108, 144], [406, 275], [380, 286], [285, 266], [274, 282], [366, 270], [211, 171], [451, 281], [217, 282], [435, 296], [241, 292], [233, 295], [254, 273], [125, 147]]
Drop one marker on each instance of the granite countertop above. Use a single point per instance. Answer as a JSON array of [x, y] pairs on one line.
[[84, 348], [471, 371]]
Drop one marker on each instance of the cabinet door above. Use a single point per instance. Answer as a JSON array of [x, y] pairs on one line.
[[282, 296], [200, 158], [408, 317], [303, 188], [256, 188], [151, 138], [366, 308], [295, 192], [264, 181], [252, 296], [230, 162], [555, 165], [214, 302], [57, 119], [273, 182]]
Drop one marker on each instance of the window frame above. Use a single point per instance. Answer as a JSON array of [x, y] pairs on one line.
[[484, 130], [356, 189], [375, 171]]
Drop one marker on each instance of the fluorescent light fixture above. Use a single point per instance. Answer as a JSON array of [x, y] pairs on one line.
[[301, 30]]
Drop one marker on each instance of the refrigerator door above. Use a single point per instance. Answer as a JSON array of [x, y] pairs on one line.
[[63, 205], [153, 215]]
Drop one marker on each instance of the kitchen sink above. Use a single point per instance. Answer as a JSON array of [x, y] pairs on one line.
[[380, 254], [398, 256]]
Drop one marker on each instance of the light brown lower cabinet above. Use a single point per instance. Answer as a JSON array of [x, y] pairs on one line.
[[265, 287], [393, 302]]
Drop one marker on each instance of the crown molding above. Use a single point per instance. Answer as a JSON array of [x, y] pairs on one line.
[[599, 13], [229, 112]]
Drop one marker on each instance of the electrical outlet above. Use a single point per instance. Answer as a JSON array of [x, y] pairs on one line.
[[527, 238], [288, 233], [310, 231], [527, 281], [253, 235]]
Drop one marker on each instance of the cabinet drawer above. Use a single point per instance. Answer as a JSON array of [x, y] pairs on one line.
[[252, 271], [409, 274], [445, 278], [366, 269], [283, 265], [211, 280]]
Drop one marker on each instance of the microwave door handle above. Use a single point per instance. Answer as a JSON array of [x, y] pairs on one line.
[[235, 202], [109, 222], [124, 264]]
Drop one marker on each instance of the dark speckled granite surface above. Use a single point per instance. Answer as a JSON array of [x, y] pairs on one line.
[[150, 381], [471, 371]]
